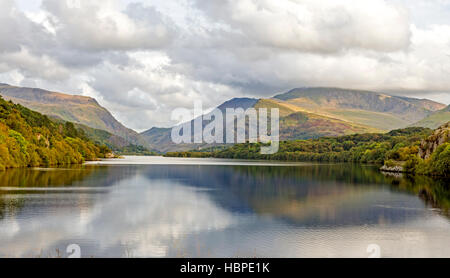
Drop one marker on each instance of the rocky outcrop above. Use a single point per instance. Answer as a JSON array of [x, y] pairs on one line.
[[393, 169], [439, 137]]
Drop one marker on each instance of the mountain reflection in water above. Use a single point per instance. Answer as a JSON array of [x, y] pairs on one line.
[[231, 210]]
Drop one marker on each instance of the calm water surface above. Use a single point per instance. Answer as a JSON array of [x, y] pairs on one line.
[[162, 207]]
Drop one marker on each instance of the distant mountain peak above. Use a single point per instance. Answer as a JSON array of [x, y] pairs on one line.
[[243, 103], [154, 130], [328, 90], [316, 99], [300, 91], [44, 96]]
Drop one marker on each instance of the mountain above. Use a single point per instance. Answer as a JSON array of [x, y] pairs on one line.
[[235, 103], [436, 119], [160, 138], [78, 109], [98, 136], [373, 109], [30, 139], [307, 113], [294, 124]]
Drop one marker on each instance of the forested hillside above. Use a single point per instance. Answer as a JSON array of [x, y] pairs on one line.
[[30, 139], [102, 137], [398, 147], [77, 109]]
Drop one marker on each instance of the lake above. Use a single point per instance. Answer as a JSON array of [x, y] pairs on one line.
[[172, 207]]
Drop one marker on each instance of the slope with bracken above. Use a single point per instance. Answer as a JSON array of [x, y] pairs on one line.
[[373, 109], [296, 123]]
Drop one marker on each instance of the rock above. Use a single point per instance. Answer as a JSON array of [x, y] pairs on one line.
[[394, 169], [439, 137]]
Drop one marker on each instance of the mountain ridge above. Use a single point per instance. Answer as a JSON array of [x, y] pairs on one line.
[[379, 110], [305, 113], [74, 108], [322, 111], [315, 93], [293, 125]]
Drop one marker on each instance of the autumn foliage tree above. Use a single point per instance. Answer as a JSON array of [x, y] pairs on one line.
[[30, 139]]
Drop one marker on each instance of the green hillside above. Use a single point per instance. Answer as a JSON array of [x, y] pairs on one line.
[[372, 109], [101, 137], [436, 119], [30, 139], [295, 123]]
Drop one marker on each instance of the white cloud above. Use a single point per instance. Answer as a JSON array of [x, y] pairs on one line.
[[151, 87], [102, 26], [35, 66], [315, 26], [141, 59]]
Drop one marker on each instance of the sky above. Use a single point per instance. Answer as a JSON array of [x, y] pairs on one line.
[[142, 59]]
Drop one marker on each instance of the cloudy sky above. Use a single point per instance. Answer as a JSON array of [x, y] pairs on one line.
[[142, 59]]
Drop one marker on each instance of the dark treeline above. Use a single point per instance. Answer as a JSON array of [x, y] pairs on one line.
[[396, 147], [30, 139], [135, 150]]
